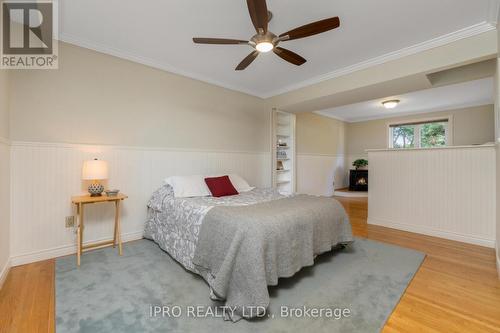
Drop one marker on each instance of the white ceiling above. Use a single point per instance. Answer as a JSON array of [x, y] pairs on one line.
[[158, 33], [456, 96]]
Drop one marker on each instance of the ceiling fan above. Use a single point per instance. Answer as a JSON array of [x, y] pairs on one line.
[[265, 41]]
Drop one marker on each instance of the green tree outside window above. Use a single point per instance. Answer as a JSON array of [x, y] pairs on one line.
[[432, 135], [420, 135], [403, 137]]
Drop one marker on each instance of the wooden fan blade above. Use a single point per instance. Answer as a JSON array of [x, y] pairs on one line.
[[219, 41], [311, 29], [258, 14], [289, 56], [247, 61]]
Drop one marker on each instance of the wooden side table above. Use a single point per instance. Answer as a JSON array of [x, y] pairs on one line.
[[80, 202]]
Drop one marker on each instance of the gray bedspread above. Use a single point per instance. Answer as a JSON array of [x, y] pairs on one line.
[[174, 223], [243, 249]]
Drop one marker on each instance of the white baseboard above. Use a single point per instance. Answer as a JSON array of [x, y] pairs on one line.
[[350, 194], [4, 272], [433, 232], [64, 250]]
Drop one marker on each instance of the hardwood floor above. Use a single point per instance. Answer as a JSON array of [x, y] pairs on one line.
[[455, 290], [27, 299]]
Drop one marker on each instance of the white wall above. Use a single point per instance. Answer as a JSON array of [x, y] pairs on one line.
[[498, 206], [320, 154], [148, 124], [4, 177], [46, 175], [497, 141], [442, 192], [4, 209], [470, 126]]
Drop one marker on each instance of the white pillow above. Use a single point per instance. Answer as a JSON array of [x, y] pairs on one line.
[[239, 183], [188, 186]]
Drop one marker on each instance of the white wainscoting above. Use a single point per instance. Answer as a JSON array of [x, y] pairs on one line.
[[45, 176], [316, 173], [448, 193], [4, 209]]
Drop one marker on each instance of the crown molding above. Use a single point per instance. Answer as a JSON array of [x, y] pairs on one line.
[[471, 31], [417, 48], [67, 38]]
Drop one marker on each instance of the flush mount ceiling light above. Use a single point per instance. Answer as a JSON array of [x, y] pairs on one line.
[[391, 104]]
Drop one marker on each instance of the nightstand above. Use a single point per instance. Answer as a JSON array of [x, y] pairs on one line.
[[80, 202]]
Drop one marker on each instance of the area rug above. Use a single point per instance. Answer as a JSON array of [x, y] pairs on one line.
[[350, 290]]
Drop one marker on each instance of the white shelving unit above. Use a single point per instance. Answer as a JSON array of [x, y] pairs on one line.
[[283, 151]]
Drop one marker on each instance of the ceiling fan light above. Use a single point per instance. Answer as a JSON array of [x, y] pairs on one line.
[[391, 104], [264, 47]]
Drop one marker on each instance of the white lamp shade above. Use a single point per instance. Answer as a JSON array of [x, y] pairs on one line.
[[95, 170]]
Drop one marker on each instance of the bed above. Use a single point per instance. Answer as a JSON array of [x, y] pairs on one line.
[[243, 243]]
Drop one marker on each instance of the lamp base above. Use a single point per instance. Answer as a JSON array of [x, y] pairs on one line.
[[95, 189]]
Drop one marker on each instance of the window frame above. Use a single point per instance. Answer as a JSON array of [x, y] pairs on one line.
[[448, 130]]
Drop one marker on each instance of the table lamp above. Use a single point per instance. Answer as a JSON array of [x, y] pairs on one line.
[[95, 170]]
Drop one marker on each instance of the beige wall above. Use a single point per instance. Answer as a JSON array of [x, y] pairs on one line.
[[470, 126], [320, 154], [4, 103], [96, 98], [319, 135]]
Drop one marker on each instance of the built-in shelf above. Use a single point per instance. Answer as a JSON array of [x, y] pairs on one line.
[[283, 129]]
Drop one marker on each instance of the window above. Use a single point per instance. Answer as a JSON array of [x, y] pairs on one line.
[[421, 134]]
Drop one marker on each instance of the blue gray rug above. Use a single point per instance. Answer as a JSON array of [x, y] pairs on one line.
[[351, 290]]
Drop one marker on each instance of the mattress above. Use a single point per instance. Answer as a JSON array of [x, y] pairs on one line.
[[175, 223]]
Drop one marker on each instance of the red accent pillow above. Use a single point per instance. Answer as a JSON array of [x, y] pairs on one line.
[[220, 186]]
